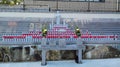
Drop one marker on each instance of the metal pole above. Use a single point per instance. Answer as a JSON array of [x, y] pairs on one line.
[[24, 5], [88, 6], [57, 5], [117, 5]]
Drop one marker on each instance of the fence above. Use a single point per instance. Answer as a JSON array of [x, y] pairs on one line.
[[72, 6], [24, 8]]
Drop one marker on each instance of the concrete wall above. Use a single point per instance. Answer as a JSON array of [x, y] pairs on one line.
[[108, 5]]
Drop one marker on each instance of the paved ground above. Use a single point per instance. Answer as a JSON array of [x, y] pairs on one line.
[[71, 63]]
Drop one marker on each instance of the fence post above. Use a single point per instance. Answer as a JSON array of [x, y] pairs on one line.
[[88, 6]]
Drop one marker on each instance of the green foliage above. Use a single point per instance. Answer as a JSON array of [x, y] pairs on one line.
[[77, 31], [5, 2], [11, 2], [44, 31], [17, 2]]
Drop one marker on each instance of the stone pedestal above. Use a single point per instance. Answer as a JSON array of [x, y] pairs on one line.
[[23, 53]]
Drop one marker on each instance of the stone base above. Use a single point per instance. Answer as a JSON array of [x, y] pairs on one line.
[[43, 64], [76, 60]]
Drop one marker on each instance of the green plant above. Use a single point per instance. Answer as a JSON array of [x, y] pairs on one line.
[[11, 2], [77, 31], [44, 31]]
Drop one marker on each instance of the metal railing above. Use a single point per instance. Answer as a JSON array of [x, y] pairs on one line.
[[24, 8]]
